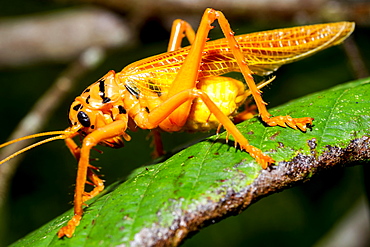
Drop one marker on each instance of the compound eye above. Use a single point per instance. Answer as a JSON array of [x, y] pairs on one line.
[[83, 118]]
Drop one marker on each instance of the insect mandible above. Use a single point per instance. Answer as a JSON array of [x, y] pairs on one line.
[[163, 91]]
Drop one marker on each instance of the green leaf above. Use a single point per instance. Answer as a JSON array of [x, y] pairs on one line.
[[211, 180]]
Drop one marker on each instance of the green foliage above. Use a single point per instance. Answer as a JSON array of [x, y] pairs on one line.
[[197, 177]]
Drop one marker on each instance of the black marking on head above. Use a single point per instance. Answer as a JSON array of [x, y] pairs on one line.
[[86, 90], [87, 100], [122, 110], [102, 92], [101, 85], [132, 91], [83, 118], [77, 107], [147, 109], [106, 100]]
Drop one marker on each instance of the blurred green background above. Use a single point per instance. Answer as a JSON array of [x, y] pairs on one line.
[[43, 185]]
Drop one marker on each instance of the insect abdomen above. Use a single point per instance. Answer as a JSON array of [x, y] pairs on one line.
[[227, 93]]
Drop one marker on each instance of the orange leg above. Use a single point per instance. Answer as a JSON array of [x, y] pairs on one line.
[[180, 28], [114, 129], [283, 121], [94, 180], [188, 75], [156, 143], [257, 154], [250, 109], [249, 112], [73, 147]]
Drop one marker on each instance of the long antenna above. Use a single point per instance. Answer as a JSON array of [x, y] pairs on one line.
[[59, 132], [60, 135]]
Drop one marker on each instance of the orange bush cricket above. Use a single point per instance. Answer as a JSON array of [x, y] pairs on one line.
[[163, 91]]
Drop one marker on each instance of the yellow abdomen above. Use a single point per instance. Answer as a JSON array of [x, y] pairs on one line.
[[227, 93]]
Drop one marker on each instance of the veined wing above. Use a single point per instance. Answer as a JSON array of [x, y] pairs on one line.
[[264, 52]]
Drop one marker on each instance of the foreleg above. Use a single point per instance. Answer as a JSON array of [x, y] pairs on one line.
[[84, 170], [93, 179]]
